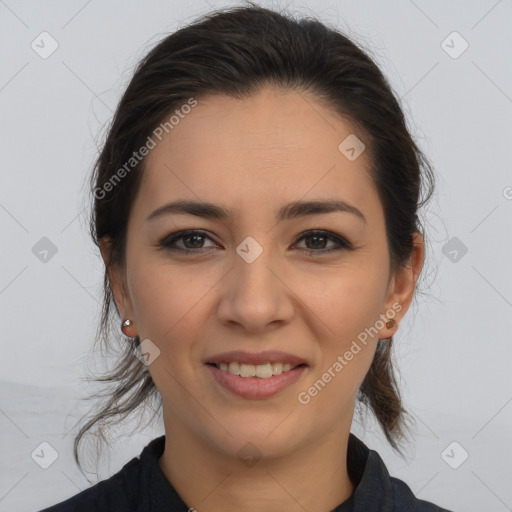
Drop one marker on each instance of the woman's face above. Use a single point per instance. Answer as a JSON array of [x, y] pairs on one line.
[[255, 279]]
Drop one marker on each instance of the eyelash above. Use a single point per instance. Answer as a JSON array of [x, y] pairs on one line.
[[169, 240]]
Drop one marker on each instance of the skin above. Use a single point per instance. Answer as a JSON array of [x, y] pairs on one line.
[[252, 156]]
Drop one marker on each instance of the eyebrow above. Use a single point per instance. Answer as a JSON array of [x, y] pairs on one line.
[[287, 212]]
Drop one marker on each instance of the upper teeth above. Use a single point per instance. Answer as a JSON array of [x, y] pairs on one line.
[[263, 371]]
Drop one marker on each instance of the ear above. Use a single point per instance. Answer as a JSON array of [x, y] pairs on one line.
[[117, 280], [402, 286]]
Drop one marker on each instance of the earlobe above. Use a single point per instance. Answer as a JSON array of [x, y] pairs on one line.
[[402, 287], [116, 281], [128, 329]]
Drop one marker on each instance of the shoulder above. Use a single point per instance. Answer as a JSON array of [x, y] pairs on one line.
[[376, 489], [404, 499], [116, 493], [140, 485]]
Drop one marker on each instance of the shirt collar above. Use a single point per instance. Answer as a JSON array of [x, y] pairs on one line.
[[373, 491]]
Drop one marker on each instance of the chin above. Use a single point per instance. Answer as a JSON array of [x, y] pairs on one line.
[[272, 435]]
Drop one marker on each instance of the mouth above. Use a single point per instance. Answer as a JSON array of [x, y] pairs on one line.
[[256, 375], [261, 371]]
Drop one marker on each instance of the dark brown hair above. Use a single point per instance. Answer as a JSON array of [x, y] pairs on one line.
[[236, 51]]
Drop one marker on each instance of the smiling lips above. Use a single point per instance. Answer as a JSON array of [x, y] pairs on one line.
[[263, 371], [262, 364], [258, 375]]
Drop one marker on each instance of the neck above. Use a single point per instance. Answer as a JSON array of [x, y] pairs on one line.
[[313, 477]]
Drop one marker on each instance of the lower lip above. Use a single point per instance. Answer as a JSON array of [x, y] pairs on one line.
[[254, 387]]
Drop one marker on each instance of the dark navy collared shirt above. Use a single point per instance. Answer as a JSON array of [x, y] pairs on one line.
[[141, 486]]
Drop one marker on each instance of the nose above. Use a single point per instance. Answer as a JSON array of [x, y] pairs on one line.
[[255, 296]]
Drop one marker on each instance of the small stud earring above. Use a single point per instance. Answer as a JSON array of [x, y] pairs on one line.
[[124, 324], [391, 324]]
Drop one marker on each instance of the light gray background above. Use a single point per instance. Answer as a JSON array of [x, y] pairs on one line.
[[453, 351]]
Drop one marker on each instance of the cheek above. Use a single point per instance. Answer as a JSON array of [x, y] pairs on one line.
[[346, 306], [170, 307], [168, 301], [345, 300], [349, 309]]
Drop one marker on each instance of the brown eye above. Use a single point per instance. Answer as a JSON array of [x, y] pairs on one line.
[[316, 242], [195, 240], [190, 241]]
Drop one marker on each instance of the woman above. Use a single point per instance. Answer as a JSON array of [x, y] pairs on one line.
[[255, 204]]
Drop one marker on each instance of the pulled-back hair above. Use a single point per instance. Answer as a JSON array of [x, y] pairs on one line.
[[236, 52]]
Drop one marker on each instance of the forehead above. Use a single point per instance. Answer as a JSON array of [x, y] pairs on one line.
[[273, 146]]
